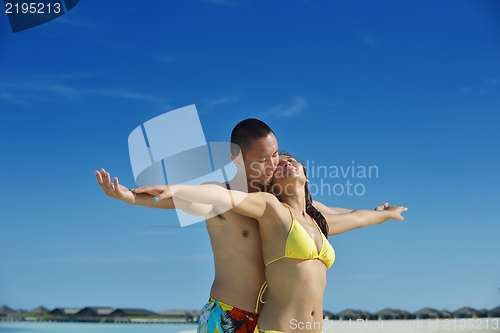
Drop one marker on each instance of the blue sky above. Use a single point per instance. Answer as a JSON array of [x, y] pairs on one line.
[[411, 87]]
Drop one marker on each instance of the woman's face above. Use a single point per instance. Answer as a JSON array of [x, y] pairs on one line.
[[288, 168]]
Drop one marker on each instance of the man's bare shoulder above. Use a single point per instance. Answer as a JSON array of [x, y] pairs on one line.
[[216, 214]]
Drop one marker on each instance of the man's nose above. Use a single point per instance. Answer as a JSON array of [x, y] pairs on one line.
[[274, 165]]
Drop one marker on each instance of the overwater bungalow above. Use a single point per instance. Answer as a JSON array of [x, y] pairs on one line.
[[40, 313], [130, 312], [385, 314], [39, 310], [467, 312], [402, 314], [95, 314], [329, 315], [350, 314], [428, 313], [388, 313], [446, 314], [494, 313], [180, 316], [63, 314], [7, 313], [4, 311]]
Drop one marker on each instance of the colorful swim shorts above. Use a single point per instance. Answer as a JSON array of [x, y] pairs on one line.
[[219, 317]]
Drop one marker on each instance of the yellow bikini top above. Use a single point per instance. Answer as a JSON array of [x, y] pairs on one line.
[[299, 245]]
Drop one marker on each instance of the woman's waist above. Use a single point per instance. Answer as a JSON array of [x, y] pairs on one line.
[[288, 275], [305, 301], [294, 319]]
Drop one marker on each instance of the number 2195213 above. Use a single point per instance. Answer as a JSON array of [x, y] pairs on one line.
[[32, 8]]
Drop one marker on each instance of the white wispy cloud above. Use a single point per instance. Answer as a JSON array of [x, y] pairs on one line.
[[221, 101], [72, 92], [17, 89], [369, 40], [126, 95], [287, 110], [64, 20], [12, 99], [480, 88]]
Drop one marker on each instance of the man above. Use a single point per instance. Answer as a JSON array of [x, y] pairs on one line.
[[239, 266]]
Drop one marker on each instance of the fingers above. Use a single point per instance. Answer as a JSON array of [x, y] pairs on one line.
[[144, 189], [159, 192], [106, 177], [401, 211], [147, 189], [383, 206], [163, 195], [103, 178], [151, 190], [116, 187], [98, 176], [397, 207]]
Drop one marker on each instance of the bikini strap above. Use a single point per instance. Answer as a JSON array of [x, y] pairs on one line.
[[262, 290], [290, 209], [269, 263]]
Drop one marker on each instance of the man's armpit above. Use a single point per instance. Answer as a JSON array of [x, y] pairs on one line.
[[217, 213]]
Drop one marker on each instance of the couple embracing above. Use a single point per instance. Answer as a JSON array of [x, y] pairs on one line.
[[269, 239]]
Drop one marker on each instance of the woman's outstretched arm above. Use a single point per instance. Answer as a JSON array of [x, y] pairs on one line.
[[248, 204], [113, 189], [340, 223], [323, 209]]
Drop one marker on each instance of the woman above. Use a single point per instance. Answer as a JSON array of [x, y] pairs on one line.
[[295, 248]]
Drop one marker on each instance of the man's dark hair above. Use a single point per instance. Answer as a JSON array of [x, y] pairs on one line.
[[245, 132]]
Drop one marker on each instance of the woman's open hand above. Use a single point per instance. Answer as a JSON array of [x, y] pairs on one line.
[[159, 192]]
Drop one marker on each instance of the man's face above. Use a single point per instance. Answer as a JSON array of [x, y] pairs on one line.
[[261, 160]]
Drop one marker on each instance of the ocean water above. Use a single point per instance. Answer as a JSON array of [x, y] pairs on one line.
[[33, 327]]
